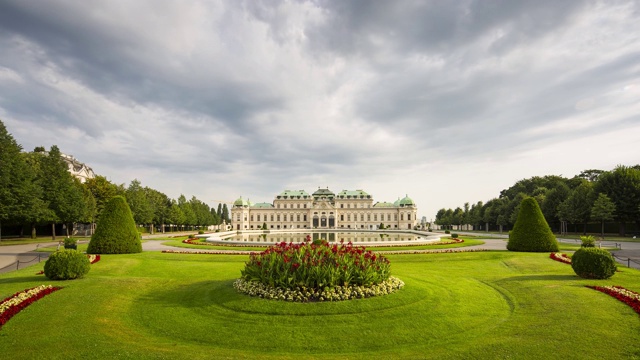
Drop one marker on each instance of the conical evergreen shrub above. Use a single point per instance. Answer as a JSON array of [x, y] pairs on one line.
[[116, 231], [531, 233]]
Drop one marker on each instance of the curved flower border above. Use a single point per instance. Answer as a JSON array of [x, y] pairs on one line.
[[563, 258], [192, 241], [390, 252], [627, 296], [20, 300], [301, 294]]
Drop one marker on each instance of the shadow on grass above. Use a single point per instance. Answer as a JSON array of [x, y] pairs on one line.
[[543, 278]]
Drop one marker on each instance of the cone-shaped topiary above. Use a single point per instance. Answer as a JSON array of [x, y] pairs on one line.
[[116, 231], [531, 233]]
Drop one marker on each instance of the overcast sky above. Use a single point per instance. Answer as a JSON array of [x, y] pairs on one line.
[[446, 101]]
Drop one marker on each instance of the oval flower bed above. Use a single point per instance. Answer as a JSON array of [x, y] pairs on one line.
[[193, 241], [20, 300], [317, 272]]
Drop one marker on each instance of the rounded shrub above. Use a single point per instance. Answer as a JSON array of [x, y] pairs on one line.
[[593, 263], [66, 264], [70, 243], [454, 236], [116, 232], [316, 272], [447, 232], [531, 233]]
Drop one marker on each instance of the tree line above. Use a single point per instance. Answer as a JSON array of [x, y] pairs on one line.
[[36, 189], [593, 196]]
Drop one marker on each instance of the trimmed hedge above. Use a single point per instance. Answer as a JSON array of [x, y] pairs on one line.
[[531, 233], [116, 232], [66, 264], [593, 263]]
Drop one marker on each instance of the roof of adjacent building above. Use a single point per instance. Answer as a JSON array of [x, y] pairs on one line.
[[323, 192], [262, 205], [407, 201], [293, 194], [357, 194], [241, 202]]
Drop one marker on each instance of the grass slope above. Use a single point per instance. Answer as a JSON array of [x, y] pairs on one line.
[[470, 305]]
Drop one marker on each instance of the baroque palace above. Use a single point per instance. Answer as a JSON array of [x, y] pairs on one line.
[[324, 210]]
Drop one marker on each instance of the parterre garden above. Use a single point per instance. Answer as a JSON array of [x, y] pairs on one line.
[[494, 304]]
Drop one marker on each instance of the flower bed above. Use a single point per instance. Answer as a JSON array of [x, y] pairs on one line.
[[383, 252], [304, 294], [20, 300], [316, 271], [563, 258], [93, 258], [628, 297], [212, 252]]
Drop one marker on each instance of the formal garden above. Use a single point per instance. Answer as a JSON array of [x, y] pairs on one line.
[[343, 301]]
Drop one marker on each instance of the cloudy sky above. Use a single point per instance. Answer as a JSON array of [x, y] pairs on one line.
[[447, 101]]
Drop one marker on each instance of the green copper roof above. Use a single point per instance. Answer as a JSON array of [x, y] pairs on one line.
[[293, 194], [241, 202], [323, 192], [262, 206], [407, 201], [357, 194]]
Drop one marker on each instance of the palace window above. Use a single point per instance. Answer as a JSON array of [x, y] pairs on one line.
[[278, 217], [401, 217], [348, 217], [395, 217], [341, 217], [305, 217], [368, 217], [298, 219], [258, 217], [341, 205], [408, 216], [251, 217], [375, 217], [285, 217], [305, 206], [271, 217], [361, 217]]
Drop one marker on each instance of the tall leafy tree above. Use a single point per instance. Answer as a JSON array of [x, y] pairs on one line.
[[103, 190], [160, 203], [622, 186], [552, 200], [61, 192], [603, 210], [140, 206], [225, 214], [20, 196], [577, 207], [189, 216], [175, 215]]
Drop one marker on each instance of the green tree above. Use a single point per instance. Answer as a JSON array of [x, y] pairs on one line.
[[20, 196], [552, 200], [103, 190], [62, 193], [577, 207], [175, 215], [622, 186], [140, 206], [531, 233], [189, 216], [116, 232], [603, 209], [161, 204], [225, 214]]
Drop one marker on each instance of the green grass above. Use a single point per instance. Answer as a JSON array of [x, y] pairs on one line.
[[469, 305], [24, 241]]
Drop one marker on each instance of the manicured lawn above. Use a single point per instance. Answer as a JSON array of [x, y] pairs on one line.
[[467, 305]]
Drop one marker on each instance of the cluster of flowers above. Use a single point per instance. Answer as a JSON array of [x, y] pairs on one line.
[[438, 251], [303, 294], [93, 258], [211, 252], [628, 297], [13, 304], [563, 258], [316, 265]]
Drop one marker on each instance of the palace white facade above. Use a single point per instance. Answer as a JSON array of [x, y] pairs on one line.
[[78, 169], [324, 210]]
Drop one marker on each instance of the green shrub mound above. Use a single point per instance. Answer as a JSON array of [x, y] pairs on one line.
[[593, 263], [116, 232], [531, 233], [316, 271], [66, 264], [588, 241]]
